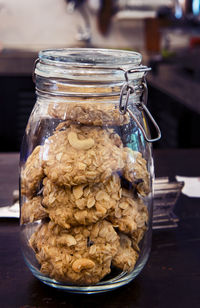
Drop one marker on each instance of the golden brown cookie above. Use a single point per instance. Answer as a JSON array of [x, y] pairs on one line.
[[137, 236], [32, 210], [98, 114], [82, 154], [32, 173], [135, 171], [130, 214], [82, 204], [126, 255], [81, 255]]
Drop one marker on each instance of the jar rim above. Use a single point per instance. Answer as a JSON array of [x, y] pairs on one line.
[[90, 57]]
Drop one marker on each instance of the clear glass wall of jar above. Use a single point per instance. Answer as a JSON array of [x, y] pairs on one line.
[[86, 172]]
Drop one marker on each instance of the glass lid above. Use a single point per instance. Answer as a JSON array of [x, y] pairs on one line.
[[90, 57]]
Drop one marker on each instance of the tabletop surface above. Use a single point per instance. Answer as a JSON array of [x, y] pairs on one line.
[[171, 277]]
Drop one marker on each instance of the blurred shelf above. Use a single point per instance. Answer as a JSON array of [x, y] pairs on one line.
[[17, 62], [172, 81]]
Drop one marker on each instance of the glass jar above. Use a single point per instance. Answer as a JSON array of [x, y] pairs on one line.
[[86, 171]]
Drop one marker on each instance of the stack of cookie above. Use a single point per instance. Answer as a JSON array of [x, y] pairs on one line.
[[90, 223]]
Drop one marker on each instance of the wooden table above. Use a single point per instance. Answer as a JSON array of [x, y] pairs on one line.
[[171, 277]]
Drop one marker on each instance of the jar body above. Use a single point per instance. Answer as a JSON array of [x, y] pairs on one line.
[[86, 196]]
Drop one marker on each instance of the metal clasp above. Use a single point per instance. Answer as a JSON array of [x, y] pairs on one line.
[[128, 89]]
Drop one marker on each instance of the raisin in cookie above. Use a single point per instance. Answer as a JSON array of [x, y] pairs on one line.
[[81, 255], [98, 114], [82, 154], [82, 204], [32, 173]]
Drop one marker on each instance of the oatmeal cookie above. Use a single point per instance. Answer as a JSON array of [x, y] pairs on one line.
[[130, 214], [82, 204], [135, 171], [89, 113], [126, 255], [137, 236], [32, 210], [82, 154], [32, 173], [80, 255]]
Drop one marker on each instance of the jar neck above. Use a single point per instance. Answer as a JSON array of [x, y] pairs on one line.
[[65, 88], [86, 72]]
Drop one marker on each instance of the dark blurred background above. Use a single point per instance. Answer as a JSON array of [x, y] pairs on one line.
[[167, 33]]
